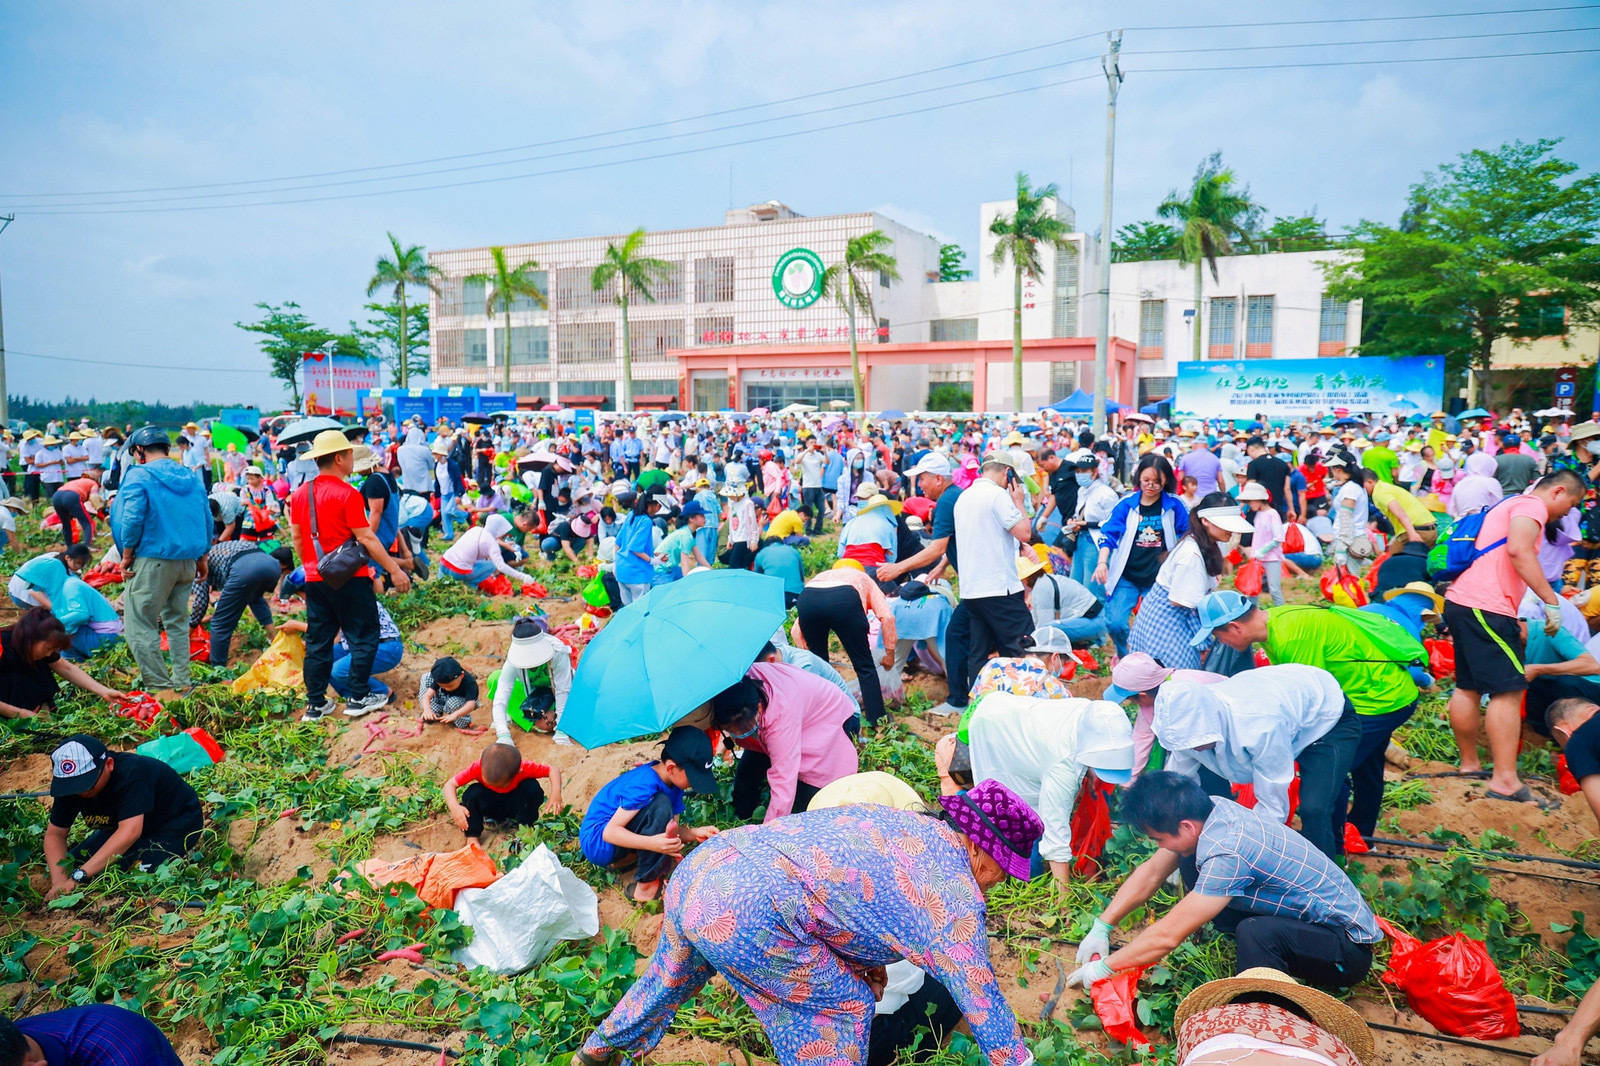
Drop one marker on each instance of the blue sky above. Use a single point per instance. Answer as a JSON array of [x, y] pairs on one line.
[[103, 98]]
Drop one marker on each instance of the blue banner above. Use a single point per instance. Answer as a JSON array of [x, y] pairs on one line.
[[1284, 389]]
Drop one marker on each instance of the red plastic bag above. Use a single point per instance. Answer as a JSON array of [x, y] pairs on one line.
[[1261, 658], [140, 706], [1354, 843], [1086, 659], [1441, 657], [495, 585], [535, 589], [1341, 587], [1245, 795], [199, 644], [1564, 780], [587, 571], [1116, 1002], [1249, 578], [1091, 825], [105, 574], [1294, 541], [1453, 983]]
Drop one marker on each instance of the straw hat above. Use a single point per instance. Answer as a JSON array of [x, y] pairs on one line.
[[878, 500], [15, 503], [1584, 431], [51, 442], [328, 442], [440, 446], [30, 434], [366, 459], [1418, 588], [1027, 566], [1324, 1011], [97, 502]]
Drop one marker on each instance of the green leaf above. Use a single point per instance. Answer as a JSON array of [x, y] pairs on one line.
[[61, 903]]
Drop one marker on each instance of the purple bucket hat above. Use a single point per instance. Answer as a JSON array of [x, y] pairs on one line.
[[999, 822]]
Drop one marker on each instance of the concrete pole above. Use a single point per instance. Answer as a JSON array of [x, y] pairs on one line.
[[1102, 340], [5, 397]]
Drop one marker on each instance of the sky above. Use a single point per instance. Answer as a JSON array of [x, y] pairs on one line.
[[118, 293]]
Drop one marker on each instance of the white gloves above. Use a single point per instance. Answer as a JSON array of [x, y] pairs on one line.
[[1086, 975], [1097, 944], [1552, 619]]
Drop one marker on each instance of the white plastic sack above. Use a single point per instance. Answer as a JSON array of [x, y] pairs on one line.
[[520, 918]]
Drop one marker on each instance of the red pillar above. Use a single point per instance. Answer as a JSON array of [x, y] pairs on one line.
[[980, 380]]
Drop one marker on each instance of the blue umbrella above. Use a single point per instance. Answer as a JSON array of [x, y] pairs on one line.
[[1343, 422], [671, 416], [1476, 412], [668, 652]]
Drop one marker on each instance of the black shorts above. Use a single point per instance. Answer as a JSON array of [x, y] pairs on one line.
[[1489, 650]]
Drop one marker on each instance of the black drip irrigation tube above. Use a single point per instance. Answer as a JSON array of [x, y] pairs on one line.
[[24, 795], [1460, 1041], [403, 1045], [1510, 871], [1574, 864]]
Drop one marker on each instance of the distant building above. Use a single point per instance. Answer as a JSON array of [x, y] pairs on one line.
[[740, 321]]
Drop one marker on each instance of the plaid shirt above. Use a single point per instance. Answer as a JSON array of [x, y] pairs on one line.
[[1268, 868], [219, 561]]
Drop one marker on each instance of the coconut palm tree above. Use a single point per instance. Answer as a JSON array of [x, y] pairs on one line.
[[1018, 237], [407, 266], [1214, 213], [505, 285], [635, 273], [850, 284]]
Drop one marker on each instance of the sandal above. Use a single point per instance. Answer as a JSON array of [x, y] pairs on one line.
[[1521, 795], [583, 1058], [631, 890]]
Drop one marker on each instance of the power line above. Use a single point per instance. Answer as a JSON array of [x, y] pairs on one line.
[[191, 368], [579, 167], [1366, 62], [586, 151], [1350, 44], [1363, 18], [577, 137]]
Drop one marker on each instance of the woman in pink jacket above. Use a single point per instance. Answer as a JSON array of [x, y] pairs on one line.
[[798, 734]]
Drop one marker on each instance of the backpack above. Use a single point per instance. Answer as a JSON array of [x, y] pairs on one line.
[[1461, 549]]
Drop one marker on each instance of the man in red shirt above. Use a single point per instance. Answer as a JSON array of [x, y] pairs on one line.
[[352, 608]]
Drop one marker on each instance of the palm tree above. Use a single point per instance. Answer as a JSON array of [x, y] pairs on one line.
[[505, 285], [1018, 237], [850, 284], [408, 266], [1214, 213], [635, 273]]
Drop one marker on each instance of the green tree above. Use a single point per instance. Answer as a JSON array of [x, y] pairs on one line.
[[850, 284], [1294, 233], [953, 263], [635, 274], [381, 331], [1018, 238], [1138, 241], [406, 266], [286, 334], [1489, 246], [1215, 213], [504, 286]]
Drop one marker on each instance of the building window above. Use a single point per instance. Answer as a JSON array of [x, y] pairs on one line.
[[1258, 327], [653, 338], [1223, 326], [473, 295], [1152, 329], [447, 299], [586, 342], [713, 329], [709, 393], [448, 345], [476, 347], [1065, 318], [605, 388], [530, 345], [519, 302], [570, 290], [713, 280], [1063, 379], [1153, 389], [883, 331], [1331, 329], [883, 280], [953, 329], [668, 286], [656, 387]]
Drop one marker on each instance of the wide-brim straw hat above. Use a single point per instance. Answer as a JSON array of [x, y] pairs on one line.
[[1323, 1010], [1418, 588], [328, 442]]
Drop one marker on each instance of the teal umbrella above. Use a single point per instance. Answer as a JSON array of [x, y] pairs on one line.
[[668, 652]]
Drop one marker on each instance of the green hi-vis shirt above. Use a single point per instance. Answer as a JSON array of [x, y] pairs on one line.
[[1372, 681]]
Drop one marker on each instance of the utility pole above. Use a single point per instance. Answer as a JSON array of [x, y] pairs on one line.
[[5, 397], [1102, 340]]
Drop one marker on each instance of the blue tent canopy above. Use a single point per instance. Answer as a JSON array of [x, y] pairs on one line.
[[1082, 403]]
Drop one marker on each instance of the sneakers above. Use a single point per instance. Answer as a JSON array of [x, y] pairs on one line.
[[315, 712], [946, 709], [372, 701]]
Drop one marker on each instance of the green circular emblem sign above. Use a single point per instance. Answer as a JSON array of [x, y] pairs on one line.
[[797, 278]]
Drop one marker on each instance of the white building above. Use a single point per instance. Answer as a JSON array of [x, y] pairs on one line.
[[751, 282]]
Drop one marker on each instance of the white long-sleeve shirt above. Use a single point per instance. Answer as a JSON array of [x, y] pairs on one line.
[[477, 545], [560, 683], [1256, 724], [1028, 745]]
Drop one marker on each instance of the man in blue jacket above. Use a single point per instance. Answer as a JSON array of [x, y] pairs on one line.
[[162, 523]]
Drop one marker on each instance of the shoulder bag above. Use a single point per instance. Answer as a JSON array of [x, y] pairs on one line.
[[337, 567]]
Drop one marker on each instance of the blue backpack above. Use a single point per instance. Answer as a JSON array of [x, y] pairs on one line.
[[1461, 549]]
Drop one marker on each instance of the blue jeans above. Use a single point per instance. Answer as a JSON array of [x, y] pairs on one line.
[[1305, 560], [1084, 560], [85, 642], [482, 570], [450, 512], [1119, 612], [1084, 630], [390, 652]]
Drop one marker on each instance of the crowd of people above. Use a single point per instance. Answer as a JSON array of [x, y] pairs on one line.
[[1244, 734]]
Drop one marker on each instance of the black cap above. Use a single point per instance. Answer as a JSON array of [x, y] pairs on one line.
[[76, 764], [446, 669], [690, 748]]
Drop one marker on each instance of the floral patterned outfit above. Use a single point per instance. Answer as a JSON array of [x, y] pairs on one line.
[[791, 912]]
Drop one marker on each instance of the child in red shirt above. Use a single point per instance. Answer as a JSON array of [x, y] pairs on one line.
[[501, 786]]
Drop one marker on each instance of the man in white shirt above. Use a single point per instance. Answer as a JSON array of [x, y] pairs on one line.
[[812, 462], [991, 522]]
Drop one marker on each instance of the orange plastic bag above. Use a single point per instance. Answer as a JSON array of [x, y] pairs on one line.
[[1249, 578], [1116, 1002], [1341, 587], [1453, 983], [436, 875]]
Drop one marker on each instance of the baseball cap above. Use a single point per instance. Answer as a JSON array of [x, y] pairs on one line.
[[1105, 742], [1048, 640], [1085, 460], [1218, 609], [75, 765], [935, 463], [1000, 459], [691, 509], [1135, 673], [446, 669], [690, 748]]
